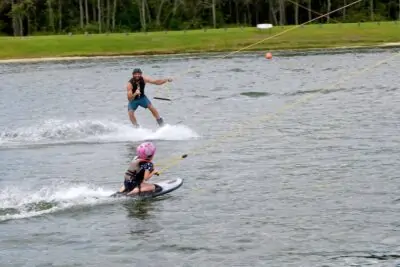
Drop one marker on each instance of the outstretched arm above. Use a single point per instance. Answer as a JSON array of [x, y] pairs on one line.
[[156, 82]]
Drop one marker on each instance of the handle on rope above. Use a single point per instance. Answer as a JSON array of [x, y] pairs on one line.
[[182, 157]]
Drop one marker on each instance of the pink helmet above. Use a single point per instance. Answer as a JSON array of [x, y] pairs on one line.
[[145, 150]]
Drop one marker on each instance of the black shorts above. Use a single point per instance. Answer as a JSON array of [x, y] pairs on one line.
[[130, 185]]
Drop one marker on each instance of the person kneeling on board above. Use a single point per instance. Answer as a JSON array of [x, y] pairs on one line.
[[140, 170]]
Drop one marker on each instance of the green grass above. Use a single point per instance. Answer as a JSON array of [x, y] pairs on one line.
[[309, 36]]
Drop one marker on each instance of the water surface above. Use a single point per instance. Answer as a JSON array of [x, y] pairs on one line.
[[315, 185]]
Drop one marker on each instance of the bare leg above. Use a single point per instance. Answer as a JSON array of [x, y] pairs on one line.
[[154, 111], [144, 187], [159, 120], [132, 117]]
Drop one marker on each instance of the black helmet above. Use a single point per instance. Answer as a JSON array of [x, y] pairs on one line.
[[137, 70]]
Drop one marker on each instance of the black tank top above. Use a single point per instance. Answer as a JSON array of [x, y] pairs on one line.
[[135, 84]]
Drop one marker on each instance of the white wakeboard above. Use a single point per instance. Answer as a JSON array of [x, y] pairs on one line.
[[162, 188]]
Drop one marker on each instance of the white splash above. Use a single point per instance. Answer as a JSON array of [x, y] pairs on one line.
[[58, 131], [18, 204]]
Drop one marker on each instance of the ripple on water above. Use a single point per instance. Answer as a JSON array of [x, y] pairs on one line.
[[280, 172]]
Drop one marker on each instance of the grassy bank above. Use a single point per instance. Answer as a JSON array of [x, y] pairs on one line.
[[309, 36]]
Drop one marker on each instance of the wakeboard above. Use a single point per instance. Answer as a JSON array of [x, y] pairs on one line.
[[162, 188]]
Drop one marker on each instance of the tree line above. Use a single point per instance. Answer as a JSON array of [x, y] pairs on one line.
[[27, 17]]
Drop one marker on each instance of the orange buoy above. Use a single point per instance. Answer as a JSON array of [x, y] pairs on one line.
[[268, 55]]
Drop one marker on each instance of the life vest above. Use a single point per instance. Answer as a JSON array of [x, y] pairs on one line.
[[135, 85], [135, 172]]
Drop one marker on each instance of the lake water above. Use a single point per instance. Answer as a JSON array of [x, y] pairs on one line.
[[266, 182]]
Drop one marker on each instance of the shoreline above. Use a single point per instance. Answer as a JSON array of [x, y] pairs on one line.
[[194, 53]]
